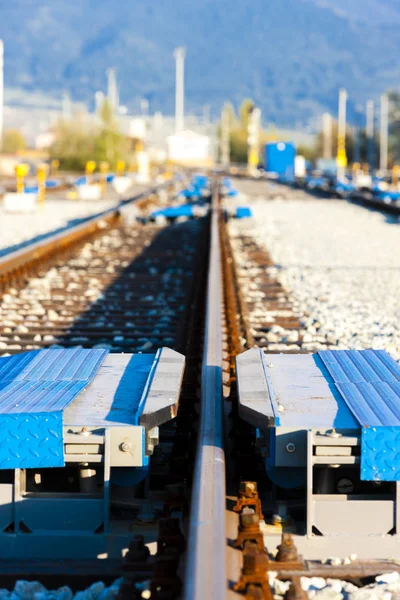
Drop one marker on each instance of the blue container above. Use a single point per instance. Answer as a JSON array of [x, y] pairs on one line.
[[279, 159]]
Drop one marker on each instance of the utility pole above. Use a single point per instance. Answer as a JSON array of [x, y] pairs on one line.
[[225, 137], [179, 55], [253, 138], [341, 147], [357, 136], [66, 106], [98, 101], [384, 134], [370, 133], [112, 90], [144, 107], [1, 92], [327, 135]]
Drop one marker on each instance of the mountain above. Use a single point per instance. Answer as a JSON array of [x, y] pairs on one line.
[[290, 56]]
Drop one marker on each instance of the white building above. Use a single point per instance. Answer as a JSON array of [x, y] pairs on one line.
[[190, 148]]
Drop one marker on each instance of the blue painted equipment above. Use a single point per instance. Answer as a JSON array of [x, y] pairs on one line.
[[76, 425], [173, 212], [199, 188], [315, 183], [280, 160], [369, 382], [52, 183], [327, 166], [33, 429], [343, 188], [387, 196], [243, 212], [329, 425]]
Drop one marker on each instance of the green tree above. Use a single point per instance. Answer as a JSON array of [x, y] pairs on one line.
[[74, 143], [77, 141], [13, 140], [319, 146], [309, 152], [238, 130], [110, 144]]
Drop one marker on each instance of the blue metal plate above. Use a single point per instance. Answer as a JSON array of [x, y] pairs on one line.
[[31, 440], [369, 382], [360, 366], [35, 388], [380, 454]]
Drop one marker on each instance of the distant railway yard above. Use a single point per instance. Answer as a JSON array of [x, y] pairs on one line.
[[199, 395]]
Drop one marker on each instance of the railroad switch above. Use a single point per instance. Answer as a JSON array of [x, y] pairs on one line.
[[249, 530], [254, 571], [248, 496]]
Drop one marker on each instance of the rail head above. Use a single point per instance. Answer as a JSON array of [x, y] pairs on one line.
[[206, 568]]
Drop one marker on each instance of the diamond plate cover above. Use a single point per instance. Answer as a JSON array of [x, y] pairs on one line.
[[35, 388], [30, 440], [369, 382], [380, 454]]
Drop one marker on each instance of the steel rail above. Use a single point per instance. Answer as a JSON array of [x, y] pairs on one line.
[[53, 243], [206, 562]]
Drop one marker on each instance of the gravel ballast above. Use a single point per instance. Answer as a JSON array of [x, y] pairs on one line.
[[340, 263], [17, 228]]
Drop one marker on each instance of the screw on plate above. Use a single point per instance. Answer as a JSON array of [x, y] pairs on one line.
[[254, 592], [254, 571], [287, 551], [125, 447], [249, 530], [248, 496], [333, 433], [290, 447], [137, 553], [296, 592]]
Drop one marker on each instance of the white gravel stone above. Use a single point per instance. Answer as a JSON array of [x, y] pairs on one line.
[[34, 590], [18, 228], [339, 261]]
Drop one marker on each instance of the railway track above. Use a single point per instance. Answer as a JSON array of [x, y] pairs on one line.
[[109, 285], [200, 289]]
